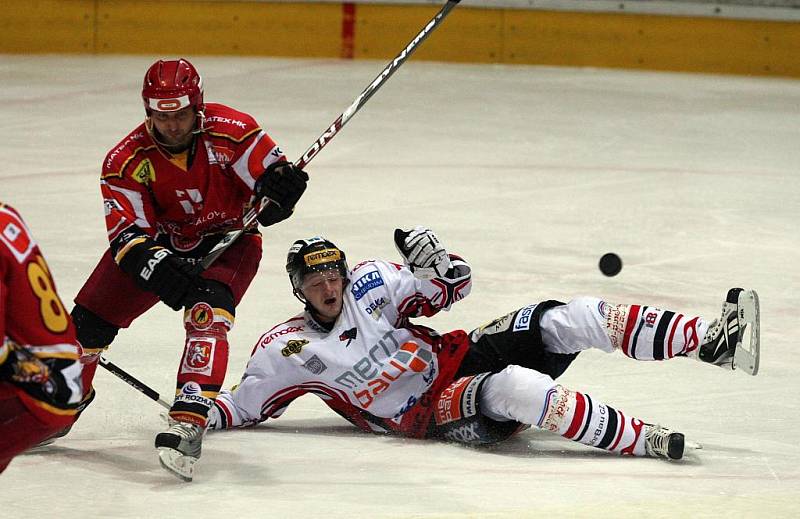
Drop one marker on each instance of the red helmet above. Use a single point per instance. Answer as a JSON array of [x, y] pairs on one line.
[[172, 85]]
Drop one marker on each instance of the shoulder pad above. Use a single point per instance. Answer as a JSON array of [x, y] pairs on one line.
[[283, 331], [223, 121], [366, 277], [121, 155], [13, 233]]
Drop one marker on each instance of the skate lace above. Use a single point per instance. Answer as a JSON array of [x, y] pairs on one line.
[[716, 327], [656, 441], [187, 432]]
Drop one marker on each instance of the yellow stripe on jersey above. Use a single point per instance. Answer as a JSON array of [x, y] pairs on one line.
[[230, 137]]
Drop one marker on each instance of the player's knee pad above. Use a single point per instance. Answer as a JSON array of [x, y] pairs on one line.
[[579, 325], [93, 332], [516, 393], [458, 415]]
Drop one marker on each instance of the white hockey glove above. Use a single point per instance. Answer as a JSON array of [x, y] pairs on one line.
[[422, 252]]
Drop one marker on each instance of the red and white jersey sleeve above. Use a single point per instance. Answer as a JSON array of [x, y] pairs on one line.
[[205, 191], [372, 360], [32, 315]]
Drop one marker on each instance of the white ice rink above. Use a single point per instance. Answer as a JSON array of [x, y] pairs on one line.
[[531, 174]]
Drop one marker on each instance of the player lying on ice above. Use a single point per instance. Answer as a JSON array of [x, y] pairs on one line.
[[355, 347]]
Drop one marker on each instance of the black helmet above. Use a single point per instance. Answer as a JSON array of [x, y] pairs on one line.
[[313, 255]]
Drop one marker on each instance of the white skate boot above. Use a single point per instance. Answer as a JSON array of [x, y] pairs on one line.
[[179, 448], [660, 442], [733, 340]]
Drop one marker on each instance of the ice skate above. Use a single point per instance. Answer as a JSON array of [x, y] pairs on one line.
[[660, 442], [179, 448], [732, 341]]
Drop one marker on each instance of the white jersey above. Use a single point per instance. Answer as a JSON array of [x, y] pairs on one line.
[[373, 359]]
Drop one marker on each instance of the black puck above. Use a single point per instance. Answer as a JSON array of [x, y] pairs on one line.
[[610, 264]]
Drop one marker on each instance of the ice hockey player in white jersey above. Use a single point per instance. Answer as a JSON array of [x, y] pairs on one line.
[[355, 347]]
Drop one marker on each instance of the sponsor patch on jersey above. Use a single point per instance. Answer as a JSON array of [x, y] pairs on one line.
[[375, 308], [602, 308], [274, 335], [293, 346], [15, 237], [201, 316], [366, 283], [223, 155], [144, 172], [523, 320], [315, 365], [183, 243], [349, 336]]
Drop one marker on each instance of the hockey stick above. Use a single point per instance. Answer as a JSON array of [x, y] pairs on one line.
[[328, 135], [250, 217], [132, 381]]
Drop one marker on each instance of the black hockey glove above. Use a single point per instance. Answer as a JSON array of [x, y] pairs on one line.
[[424, 255], [50, 379], [283, 183], [158, 270]]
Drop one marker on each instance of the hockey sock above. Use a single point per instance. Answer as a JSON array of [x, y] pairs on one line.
[[648, 333], [530, 397], [580, 418], [204, 362]]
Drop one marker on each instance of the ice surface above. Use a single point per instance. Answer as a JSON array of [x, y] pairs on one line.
[[531, 174]]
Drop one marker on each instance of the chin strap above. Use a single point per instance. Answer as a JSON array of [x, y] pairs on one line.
[[201, 122]]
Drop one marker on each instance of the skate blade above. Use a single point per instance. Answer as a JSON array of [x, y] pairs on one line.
[[748, 349], [692, 446], [176, 463]]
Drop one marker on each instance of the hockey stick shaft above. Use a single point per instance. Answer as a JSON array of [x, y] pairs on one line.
[[328, 135], [132, 381]]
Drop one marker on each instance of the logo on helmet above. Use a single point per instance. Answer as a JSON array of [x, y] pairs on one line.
[[323, 256], [167, 105]]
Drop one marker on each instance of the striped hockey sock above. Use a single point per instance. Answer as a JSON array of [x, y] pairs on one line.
[[580, 418], [648, 333]]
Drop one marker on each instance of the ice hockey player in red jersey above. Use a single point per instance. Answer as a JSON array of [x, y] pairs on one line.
[[40, 373], [356, 348], [171, 189]]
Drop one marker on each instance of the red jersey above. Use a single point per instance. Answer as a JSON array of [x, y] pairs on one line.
[[33, 317], [184, 198]]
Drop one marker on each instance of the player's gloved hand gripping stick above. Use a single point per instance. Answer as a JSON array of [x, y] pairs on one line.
[[273, 216]]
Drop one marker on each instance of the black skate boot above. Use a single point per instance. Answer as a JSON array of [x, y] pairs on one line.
[[660, 442], [179, 448], [733, 340]]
